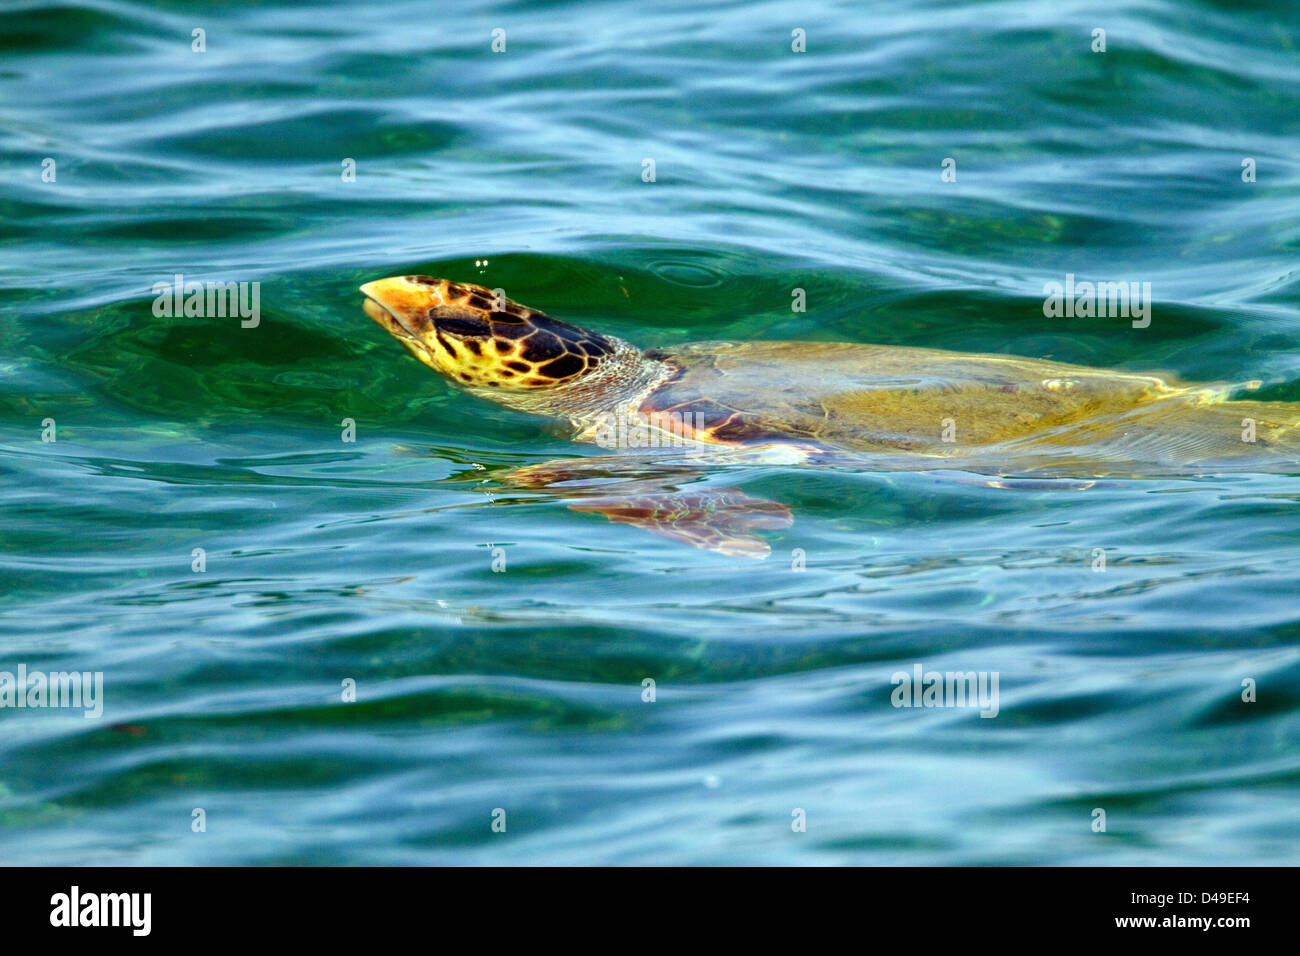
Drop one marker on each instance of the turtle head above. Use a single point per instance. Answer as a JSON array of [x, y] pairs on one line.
[[481, 339]]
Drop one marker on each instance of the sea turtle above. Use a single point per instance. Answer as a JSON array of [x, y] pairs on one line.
[[671, 411]]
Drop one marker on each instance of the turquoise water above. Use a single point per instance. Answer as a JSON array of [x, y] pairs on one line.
[[521, 689]]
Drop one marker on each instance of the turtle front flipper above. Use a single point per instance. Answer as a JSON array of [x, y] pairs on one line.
[[717, 519], [647, 496]]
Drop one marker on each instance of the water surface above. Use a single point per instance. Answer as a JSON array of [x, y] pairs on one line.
[[522, 688]]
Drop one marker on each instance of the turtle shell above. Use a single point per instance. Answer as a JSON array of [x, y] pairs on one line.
[[865, 397]]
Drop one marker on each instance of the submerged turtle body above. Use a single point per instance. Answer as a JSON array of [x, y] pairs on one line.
[[820, 401], [896, 407]]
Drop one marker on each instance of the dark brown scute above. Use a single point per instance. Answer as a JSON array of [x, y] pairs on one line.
[[468, 327], [563, 367], [541, 346]]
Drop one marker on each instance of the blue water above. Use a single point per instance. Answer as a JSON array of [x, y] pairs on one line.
[[521, 689]]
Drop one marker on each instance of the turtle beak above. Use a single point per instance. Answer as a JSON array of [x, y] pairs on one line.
[[388, 302]]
